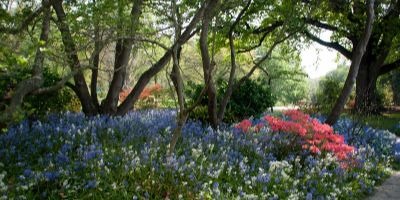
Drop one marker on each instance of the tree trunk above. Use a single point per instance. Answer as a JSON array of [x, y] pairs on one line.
[[366, 101], [123, 49], [182, 114], [208, 67], [80, 86], [229, 89], [95, 59], [122, 54], [354, 67]]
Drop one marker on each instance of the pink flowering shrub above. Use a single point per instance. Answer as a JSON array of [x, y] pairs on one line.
[[312, 134]]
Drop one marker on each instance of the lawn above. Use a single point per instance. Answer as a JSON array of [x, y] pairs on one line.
[[387, 121], [295, 157]]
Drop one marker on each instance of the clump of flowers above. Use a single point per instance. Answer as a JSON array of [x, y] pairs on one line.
[[314, 135], [244, 125]]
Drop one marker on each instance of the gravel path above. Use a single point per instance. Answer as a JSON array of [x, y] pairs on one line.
[[389, 190]]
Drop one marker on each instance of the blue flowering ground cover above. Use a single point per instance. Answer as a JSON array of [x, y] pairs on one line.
[[70, 156]]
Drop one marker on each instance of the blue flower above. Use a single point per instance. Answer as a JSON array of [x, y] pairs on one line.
[[91, 184], [309, 196], [51, 176], [27, 173]]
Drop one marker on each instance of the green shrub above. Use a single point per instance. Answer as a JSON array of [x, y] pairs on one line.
[[328, 92], [37, 105], [252, 98]]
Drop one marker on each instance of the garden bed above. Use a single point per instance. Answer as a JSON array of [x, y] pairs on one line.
[[75, 157]]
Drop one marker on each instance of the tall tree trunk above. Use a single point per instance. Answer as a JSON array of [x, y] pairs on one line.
[[122, 54], [177, 81], [208, 67], [123, 49], [95, 60], [36, 81], [354, 67], [80, 85], [182, 114]]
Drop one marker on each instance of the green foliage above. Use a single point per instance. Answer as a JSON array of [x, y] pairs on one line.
[[388, 89], [252, 98], [37, 105], [287, 79], [329, 89]]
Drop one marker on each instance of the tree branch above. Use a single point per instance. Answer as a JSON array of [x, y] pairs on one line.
[[265, 57], [389, 67], [334, 45], [319, 24], [265, 31], [25, 23]]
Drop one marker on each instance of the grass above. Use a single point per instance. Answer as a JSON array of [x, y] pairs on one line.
[[386, 121]]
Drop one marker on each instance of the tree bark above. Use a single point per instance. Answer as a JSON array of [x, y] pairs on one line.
[[96, 59], [208, 66], [80, 85], [123, 49], [354, 67], [366, 101]]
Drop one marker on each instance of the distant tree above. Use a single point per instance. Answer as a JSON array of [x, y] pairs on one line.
[[287, 79]]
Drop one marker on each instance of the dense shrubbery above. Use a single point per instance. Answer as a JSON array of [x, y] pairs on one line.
[[72, 156], [38, 105], [240, 105]]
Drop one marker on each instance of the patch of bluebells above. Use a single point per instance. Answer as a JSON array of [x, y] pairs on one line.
[[73, 156]]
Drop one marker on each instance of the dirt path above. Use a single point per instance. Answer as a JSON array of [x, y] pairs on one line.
[[389, 190]]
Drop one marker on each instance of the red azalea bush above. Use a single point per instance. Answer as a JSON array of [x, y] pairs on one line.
[[146, 93], [314, 135]]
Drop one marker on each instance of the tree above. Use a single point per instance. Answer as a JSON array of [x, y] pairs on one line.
[[271, 31], [74, 37], [345, 21], [355, 64]]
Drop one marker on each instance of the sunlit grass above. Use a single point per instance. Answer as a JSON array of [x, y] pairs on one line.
[[386, 121]]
